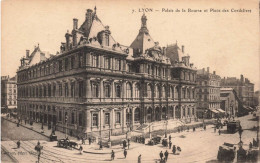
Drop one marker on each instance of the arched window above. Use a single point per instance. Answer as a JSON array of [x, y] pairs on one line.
[[183, 93], [118, 91], [188, 93], [177, 90], [157, 91], [149, 91], [137, 114], [128, 91], [163, 92], [170, 92], [137, 90]]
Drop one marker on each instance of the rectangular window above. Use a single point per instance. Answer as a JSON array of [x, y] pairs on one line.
[[60, 89], [72, 60], [118, 117], [94, 61], [66, 90], [95, 90], [107, 91], [60, 65], [118, 64], [94, 120], [60, 116], [107, 118], [80, 119], [107, 63], [72, 118], [54, 90], [72, 89], [81, 89], [66, 64], [49, 90]]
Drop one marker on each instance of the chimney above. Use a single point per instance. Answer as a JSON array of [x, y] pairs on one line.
[[241, 78], [75, 23], [182, 48], [208, 69], [203, 70], [27, 53], [214, 72]]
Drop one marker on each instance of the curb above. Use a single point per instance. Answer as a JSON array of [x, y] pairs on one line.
[[7, 153]]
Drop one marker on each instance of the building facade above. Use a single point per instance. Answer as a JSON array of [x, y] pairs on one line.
[[229, 102], [8, 92], [243, 87], [208, 93], [95, 84]]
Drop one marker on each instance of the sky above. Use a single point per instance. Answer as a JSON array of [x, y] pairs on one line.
[[227, 42]]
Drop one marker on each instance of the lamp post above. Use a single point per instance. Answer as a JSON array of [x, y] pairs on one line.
[[240, 131], [166, 123], [66, 119]]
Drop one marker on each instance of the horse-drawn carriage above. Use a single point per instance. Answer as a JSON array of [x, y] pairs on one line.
[[66, 143], [226, 152], [154, 140]]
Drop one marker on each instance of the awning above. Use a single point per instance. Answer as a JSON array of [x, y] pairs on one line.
[[220, 110], [214, 111]]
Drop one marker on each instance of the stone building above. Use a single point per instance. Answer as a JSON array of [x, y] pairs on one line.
[[229, 102], [208, 94], [243, 87], [95, 84], [8, 92]]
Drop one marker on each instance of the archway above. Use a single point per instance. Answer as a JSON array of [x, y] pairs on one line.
[[164, 113], [149, 115], [137, 115], [157, 113]]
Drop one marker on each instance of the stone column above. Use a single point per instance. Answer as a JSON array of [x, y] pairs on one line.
[[123, 115], [124, 90], [88, 88], [112, 119], [101, 63], [133, 117], [174, 112], [113, 90], [101, 89], [181, 109], [101, 118]]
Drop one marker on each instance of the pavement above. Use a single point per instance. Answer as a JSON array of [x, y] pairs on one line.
[[198, 146]]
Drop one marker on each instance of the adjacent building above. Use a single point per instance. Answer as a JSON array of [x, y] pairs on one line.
[[96, 84], [208, 94], [8, 92], [229, 101], [243, 87]]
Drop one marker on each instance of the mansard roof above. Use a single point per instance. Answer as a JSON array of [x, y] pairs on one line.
[[175, 53]]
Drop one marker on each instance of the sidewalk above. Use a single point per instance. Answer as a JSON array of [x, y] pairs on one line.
[[93, 148]]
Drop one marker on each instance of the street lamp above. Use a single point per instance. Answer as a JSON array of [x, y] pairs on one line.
[[166, 123], [240, 131], [66, 119]]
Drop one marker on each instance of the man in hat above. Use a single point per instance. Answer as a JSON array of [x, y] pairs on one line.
[[161, 155], [166, 155], [170, 144]]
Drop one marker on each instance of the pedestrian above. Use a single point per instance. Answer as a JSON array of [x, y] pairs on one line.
[[194, 129], [128, 145], [125, 153], [80, 149], [170, 137], [18, 144], [139, 158], [254, 142], [170, 144], [161, 155], [144, 141], [112, 155], [83, 140], [128, 140], [250, 145], [136, 139], [178, 130], [215, 129], [174, 149], [89, 141], [188, 128], [205, 127], [166, 155], [219, 132], [100, 145]]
